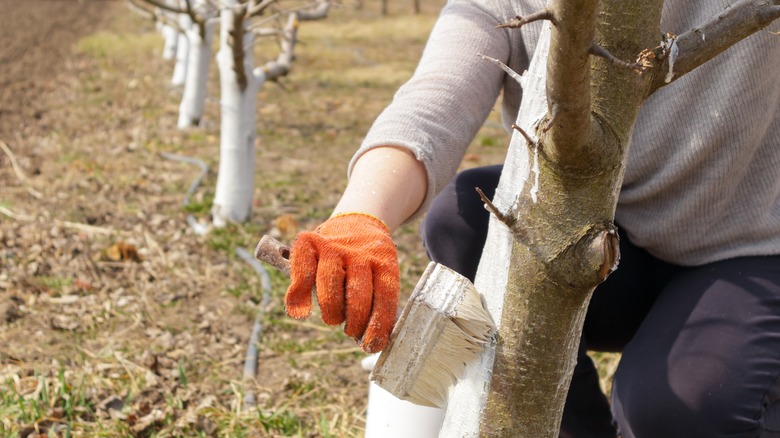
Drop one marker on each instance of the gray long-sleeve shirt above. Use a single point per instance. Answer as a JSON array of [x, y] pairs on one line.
[[703, 177]]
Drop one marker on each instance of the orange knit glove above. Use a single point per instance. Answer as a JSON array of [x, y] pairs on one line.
[[353, 260]]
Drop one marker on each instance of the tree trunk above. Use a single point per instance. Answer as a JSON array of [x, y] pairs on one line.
[[171, 37], [238, 97], [240, 83], [193, 102], [551, 240], [182, 51]]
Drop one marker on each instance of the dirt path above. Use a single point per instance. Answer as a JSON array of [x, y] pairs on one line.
[[37, 37]]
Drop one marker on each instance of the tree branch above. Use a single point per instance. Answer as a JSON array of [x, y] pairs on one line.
[[273, 70], [506, 219], [597, 50], [568, 128], [699, 45], [315, 12], [165, 6], [256, 8], [154, 15], [513, 74], [519, 21]]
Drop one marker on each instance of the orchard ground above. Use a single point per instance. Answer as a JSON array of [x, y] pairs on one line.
[[115, 318]]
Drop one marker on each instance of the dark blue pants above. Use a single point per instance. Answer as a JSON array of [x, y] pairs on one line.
[[700, 345]]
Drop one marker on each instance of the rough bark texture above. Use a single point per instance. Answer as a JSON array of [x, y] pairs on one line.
[[560, 222]]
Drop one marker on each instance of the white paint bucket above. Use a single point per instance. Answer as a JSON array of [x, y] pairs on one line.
[[390, 417]]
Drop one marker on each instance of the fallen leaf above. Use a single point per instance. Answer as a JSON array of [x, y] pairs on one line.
[[286, 224], [122, 251]]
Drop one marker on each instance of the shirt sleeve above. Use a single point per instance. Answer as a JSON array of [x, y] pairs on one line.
[[437, 113]]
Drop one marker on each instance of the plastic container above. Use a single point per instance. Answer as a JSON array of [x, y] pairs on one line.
[[390, 417]]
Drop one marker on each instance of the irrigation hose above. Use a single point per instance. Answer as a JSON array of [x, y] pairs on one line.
[[196, 226], [251, 359]]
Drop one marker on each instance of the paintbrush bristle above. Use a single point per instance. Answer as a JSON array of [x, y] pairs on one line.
[[443, 328], [460, 342]]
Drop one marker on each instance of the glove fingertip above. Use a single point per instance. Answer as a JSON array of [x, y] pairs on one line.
[[378, 332], [297, 310]]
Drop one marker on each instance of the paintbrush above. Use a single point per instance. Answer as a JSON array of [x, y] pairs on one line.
[[443, 327]]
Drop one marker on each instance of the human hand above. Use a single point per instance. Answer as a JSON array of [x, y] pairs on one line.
[[353, 262]]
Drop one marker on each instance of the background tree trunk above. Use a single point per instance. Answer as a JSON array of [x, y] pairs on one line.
[[240, 82], [182, 51], [238, 97], [193, 101]]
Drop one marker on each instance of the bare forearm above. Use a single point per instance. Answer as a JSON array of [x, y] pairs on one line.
[[386, 182]]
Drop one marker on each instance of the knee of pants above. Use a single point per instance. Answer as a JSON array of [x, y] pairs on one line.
[[648, 406], [449, 240], [455, 227]]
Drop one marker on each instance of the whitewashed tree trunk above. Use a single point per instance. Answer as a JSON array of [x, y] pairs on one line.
[[560, 242], [468, 399], [238, 100], [182, 52], [239, 83], [193, 102], [171, 37]]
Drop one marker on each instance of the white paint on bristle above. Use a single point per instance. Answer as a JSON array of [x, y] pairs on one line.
[[446, 311]]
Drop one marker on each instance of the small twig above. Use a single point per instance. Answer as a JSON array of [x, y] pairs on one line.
[[123, 362], [87, 228], [73, 225], [167, 7], [520, 21], [15, 216], [156, 246], [18, 171], [267, 31], [601, 52], [554, 111], [513, 74], [259, 8], [508, 220], [331, 351], [522, 132]]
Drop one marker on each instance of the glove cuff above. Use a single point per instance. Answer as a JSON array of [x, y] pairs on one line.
[[370, 216]]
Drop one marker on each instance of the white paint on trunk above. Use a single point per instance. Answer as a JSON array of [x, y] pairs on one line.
[[193, 100], [673, 50], [171, 38], [182, 51], [236, 174], [468, 398]]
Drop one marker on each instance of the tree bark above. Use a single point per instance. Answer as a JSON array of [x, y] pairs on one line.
[[555, 240]]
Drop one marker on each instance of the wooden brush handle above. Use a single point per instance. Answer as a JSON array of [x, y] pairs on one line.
[[275, 253]]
